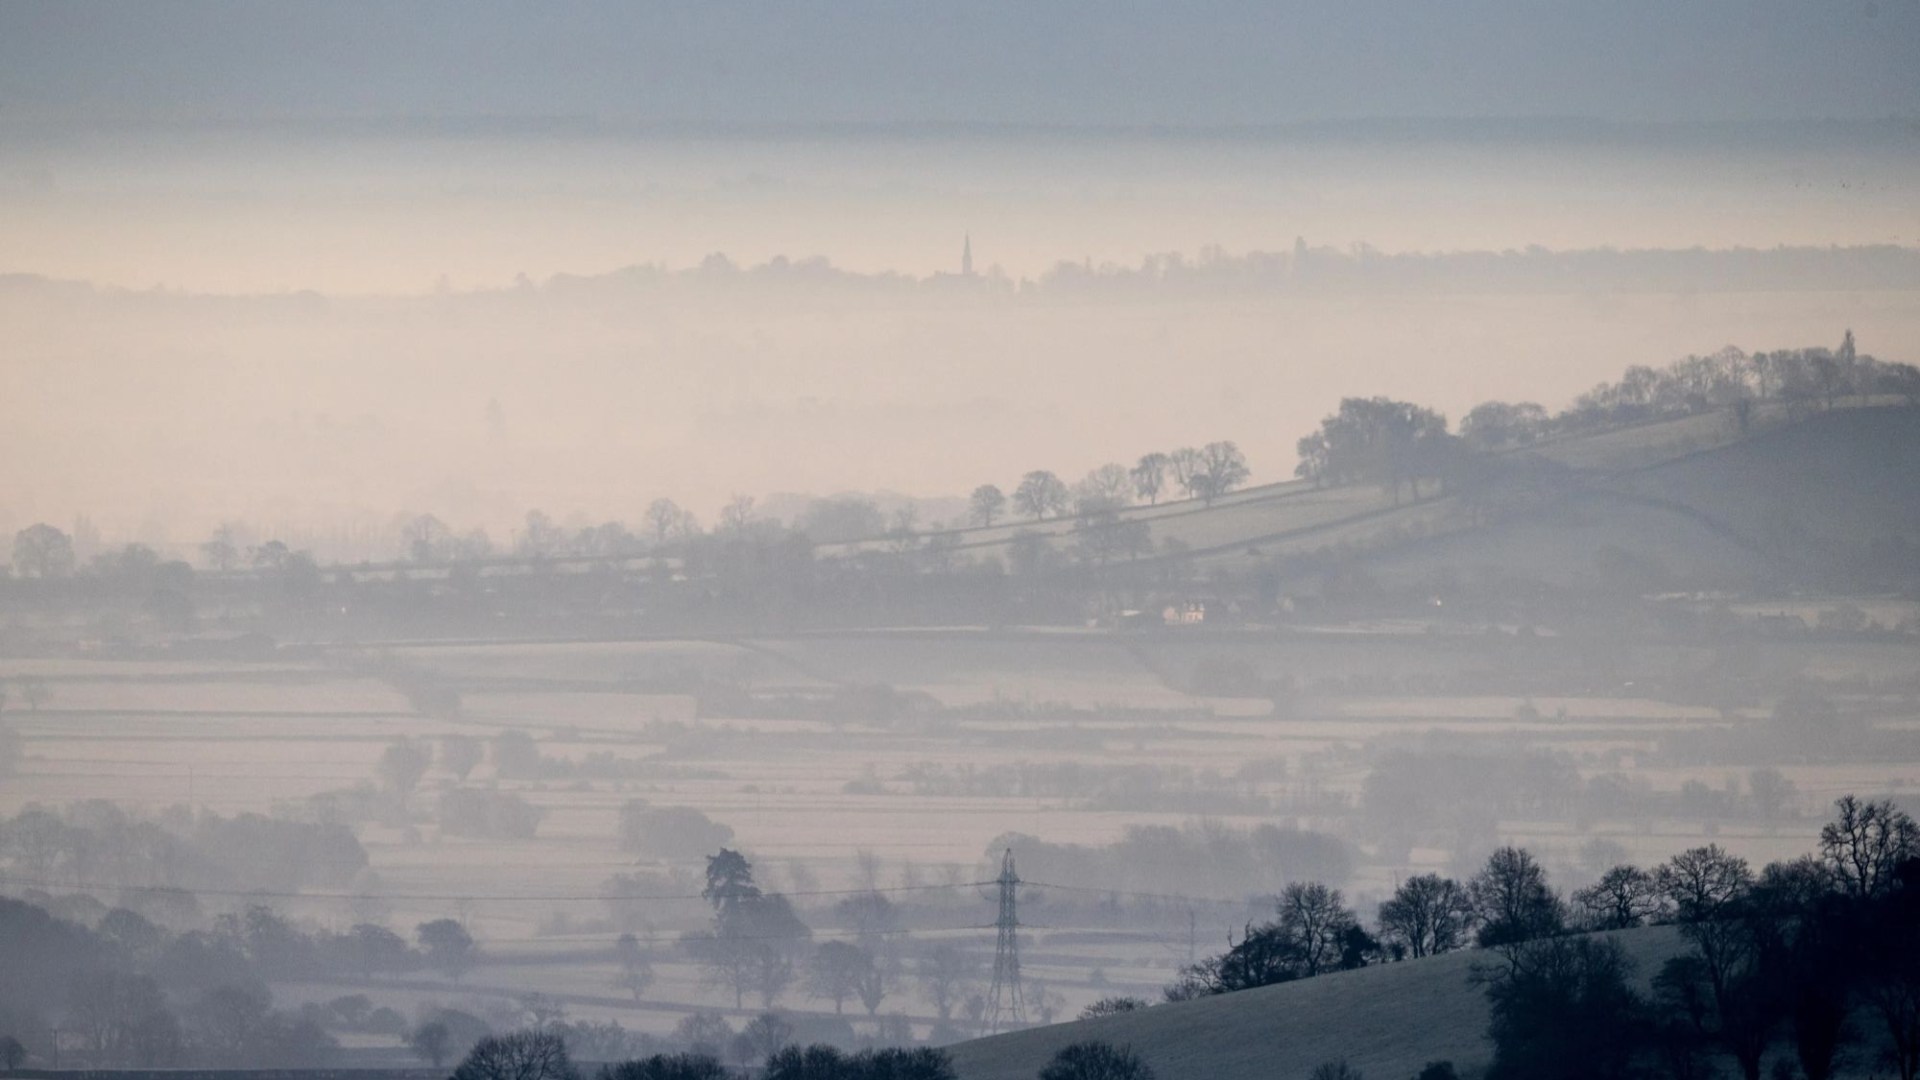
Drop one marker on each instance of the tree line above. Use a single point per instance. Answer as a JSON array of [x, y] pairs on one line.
[[129, 992], [1813, 954]]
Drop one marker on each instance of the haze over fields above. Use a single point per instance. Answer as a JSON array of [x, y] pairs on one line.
[[1016, 540]]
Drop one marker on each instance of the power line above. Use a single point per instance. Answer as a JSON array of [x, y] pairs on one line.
[[1173, 897], [1006, 1004], [270, 894]]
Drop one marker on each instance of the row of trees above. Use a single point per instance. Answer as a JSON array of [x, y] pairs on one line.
[[1819, 953], [541, 1054], [1802, 379], [129, 993], [1204, 473], [1395, 443], [1802, 948]]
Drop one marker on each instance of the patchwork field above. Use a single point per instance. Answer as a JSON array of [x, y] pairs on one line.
[[962, 736]]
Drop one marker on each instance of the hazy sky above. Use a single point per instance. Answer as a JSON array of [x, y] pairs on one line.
[[984, 61], [147, 145]]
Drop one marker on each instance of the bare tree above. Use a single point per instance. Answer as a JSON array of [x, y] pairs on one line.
[[1107, 487], [1428, 915], [1186, 466], [1703, 883], [1149, 476], [735, 516], [1096, 1061], [520, 1055], [1865, 843], [1314, 921], [1624, 897], [1040, 494], [665, 520], [1512, 899], [985, 505], [426, 538], [1222, 468]]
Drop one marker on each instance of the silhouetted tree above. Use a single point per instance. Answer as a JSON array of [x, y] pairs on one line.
[[1703, 883], [1376, 440], [1096, 1061], [1865, 843], [1512, 899], [1314, 921], [1625, 896], [1112, 1006], [1564, 1009], [755, 935], [1427, 915], [683, 1066], [520, 1055]]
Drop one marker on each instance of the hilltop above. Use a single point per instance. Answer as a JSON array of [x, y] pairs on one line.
[[1386, 1021], [1695, 502]]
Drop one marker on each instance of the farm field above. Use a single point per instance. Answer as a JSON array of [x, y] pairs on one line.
[[1069, 737]]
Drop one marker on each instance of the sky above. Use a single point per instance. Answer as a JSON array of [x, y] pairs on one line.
[[316, 239], [1195, 63]]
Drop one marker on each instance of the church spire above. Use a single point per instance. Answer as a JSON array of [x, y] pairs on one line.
[[966, 256]]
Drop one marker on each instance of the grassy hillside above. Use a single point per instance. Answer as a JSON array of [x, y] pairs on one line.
[[1667, 506], [1386, 1021], [1846, 477]]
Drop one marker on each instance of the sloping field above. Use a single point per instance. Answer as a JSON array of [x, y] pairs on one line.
[[1386, 1021], [1591, 539], [1851, 476]]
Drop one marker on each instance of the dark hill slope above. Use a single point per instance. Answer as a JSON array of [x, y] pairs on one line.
[[1386, 1021], [1826, 501], [1849, 477]]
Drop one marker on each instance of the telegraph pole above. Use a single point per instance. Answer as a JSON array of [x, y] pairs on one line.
[[1006, 1007]]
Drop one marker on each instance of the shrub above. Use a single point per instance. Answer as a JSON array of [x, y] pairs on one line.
[[1096, 1061]]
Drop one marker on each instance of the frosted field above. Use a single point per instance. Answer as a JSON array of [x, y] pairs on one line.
[[807, 796]]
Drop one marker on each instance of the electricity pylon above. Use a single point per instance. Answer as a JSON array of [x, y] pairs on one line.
[[1006, 1007]]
